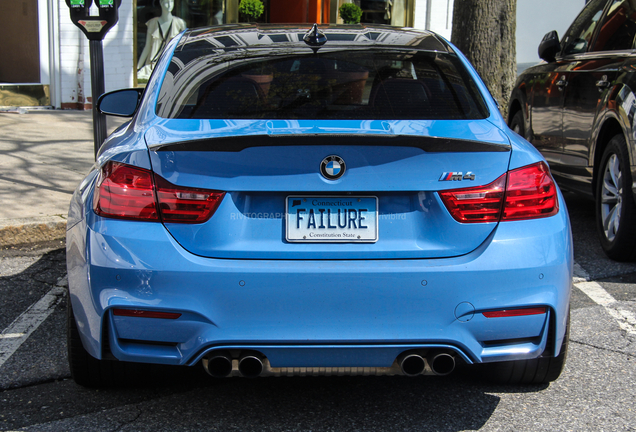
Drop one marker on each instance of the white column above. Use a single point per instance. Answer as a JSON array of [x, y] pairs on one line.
[[53, 59]]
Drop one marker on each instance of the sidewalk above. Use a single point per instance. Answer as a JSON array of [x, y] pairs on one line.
[[44, 155]]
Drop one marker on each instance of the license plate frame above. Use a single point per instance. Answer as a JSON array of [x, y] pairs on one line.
[[327, 225]]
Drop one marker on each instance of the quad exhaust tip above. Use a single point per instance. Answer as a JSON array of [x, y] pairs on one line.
[[250, 366], [412, 364], [441, 363], [219, 365]]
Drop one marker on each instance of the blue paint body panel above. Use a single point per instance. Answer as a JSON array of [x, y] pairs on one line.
[[239, 285]]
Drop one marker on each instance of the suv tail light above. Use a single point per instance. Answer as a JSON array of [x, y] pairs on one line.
[[525, 193], [129, 192]]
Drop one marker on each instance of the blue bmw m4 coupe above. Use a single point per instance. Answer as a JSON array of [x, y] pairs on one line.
[[330, 200]]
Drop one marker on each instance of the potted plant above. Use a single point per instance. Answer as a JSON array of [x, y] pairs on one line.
[[350, 13], [251, 9]]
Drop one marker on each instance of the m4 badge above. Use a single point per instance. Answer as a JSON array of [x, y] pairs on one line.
[[457, 176]]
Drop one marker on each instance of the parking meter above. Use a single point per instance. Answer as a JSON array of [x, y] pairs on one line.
[[95, 28]]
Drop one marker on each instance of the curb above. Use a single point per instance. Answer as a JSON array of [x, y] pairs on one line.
[[31, 230]]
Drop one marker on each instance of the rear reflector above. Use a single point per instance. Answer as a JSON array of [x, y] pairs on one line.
[[128, 192], [515, 312], [145, 314], [525, 193]]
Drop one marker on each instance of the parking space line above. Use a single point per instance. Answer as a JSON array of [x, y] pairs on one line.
[[625, 318], [21, 328], [580, 275]]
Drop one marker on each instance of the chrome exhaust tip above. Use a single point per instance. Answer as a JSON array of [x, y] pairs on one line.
[[219, 365], [441, 363], [412, 364], [250, 366]]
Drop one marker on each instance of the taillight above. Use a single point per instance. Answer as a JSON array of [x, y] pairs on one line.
[[478, 204], [186, 205], [128, 192], [530, 193], [524, 193], [125, 192]]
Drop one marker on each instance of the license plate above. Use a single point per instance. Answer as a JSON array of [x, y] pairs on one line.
[[332, 219]]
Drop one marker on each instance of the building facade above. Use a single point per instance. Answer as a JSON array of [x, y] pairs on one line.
[[45, 60]]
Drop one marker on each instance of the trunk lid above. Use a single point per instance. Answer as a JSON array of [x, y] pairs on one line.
[[268, 167]]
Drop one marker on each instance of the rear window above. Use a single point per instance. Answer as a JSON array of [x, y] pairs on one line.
[[341, 84]]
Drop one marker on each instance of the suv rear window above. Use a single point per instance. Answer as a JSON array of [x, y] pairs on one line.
[[381, 84]]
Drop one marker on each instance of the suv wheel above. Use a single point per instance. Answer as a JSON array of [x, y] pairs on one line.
[[517, 125], [615, 209]]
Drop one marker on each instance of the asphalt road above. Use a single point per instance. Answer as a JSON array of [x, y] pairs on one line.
[[595, 392]]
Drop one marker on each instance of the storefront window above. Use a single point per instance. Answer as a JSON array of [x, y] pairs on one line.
[[158, 21], [390, 12]]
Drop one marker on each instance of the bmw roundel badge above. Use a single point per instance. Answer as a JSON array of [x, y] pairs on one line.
[[332, 167]]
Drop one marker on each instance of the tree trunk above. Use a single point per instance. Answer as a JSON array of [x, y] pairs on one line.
[[484, 30]]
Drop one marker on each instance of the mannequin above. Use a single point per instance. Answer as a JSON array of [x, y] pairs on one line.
[[160, 30]]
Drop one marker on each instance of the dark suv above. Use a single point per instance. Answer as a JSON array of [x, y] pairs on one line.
[[577, 108]]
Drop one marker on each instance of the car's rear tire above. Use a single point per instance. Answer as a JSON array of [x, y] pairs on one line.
[[517, 124], [541, 370], [615, 208], [88, 371]]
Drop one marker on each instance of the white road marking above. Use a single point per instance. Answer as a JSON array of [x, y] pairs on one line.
[[625, 318], [21, 328], [597, 293], [580, 275], [11, 335]]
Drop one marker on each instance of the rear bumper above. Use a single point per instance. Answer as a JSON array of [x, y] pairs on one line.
[[325, 313]]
